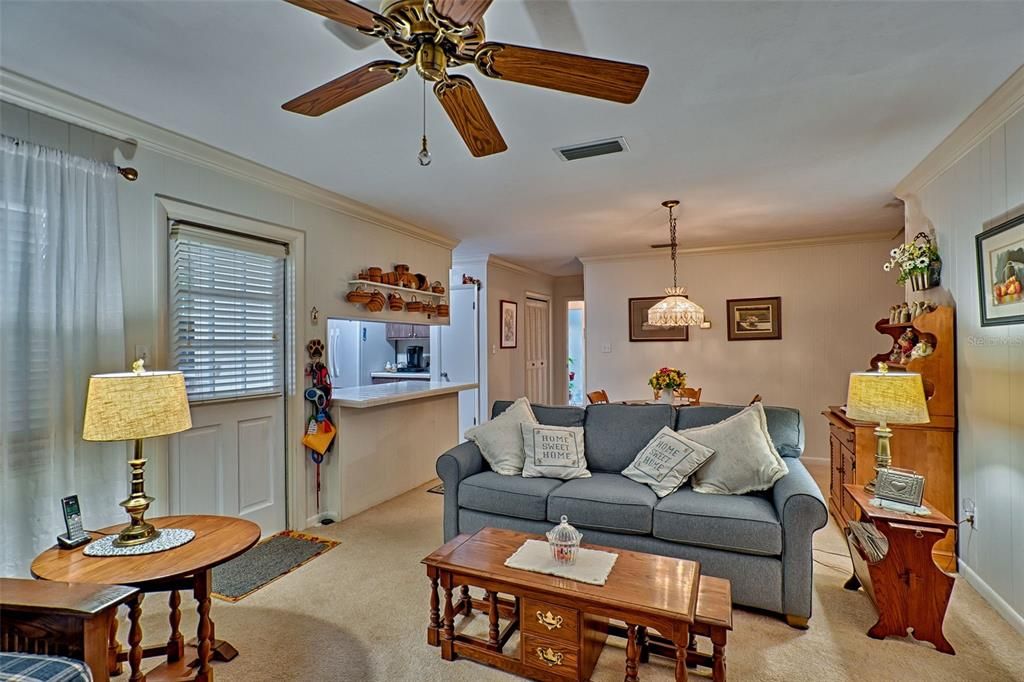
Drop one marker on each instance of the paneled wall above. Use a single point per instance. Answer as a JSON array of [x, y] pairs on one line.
[[981, 186], [832, 295], [338, 244]]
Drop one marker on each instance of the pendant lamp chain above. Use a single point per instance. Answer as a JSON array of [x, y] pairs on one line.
[[674, 245]]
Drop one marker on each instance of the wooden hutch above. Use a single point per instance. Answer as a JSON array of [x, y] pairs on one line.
[[929, 449]]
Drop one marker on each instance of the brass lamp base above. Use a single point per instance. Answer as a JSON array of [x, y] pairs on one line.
[[883, 455], [139, 531]]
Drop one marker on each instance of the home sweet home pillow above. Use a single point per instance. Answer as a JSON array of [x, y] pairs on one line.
[[745, 459], [554, 452], [667, 461], [501, 439]]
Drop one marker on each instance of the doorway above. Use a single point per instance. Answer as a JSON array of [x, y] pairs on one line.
[[460, 352], [537, 347], [576, 367]]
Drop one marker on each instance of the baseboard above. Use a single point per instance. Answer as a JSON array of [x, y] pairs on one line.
[[992, 597], [317, 519]]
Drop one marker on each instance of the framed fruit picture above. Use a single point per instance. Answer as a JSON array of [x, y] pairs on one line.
[[1000, 252]]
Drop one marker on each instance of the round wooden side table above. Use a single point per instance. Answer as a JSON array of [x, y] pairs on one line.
[[218, 539]]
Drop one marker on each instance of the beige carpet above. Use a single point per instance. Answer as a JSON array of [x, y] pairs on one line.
[[359, 612]]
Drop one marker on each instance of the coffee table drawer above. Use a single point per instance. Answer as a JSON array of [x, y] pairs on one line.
[[550, 620], [550, 655]]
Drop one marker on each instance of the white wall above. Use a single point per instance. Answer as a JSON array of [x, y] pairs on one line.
[[982, 185], [342, 237], [832, 295]]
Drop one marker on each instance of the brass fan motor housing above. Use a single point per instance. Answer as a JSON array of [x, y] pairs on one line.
[[414, 25]]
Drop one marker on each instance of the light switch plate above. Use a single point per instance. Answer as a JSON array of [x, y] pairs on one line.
[[606, 348], [142, 352]]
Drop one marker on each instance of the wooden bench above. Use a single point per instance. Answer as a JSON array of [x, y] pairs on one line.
[[713, 620]]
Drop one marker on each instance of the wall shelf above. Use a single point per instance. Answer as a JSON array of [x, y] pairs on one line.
[[392, 287]]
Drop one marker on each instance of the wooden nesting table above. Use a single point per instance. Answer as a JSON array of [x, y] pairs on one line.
[[218, 539], [563, 624]]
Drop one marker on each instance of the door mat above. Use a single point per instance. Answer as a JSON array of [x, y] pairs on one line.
[[437, 489], [266, 562]]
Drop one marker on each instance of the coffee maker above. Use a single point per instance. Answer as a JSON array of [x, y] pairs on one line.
[[414, 357]]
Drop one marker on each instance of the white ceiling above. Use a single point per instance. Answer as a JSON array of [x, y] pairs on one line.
[[769, 120]]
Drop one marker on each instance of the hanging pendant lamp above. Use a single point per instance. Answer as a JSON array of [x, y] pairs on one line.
[[675, 310]]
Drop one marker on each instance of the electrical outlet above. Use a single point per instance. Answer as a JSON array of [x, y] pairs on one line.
[[970, 512], [142, 352]]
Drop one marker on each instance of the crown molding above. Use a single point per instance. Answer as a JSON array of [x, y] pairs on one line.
[[997, 109], [70, 108], [516, 267], [836, 240]]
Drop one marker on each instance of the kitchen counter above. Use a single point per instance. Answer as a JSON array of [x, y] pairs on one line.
[[402, 375], [400, 391]]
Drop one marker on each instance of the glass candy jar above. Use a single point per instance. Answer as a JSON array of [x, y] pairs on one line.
[[564, 541]]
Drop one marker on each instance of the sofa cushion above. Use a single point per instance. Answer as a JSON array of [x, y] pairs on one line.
[[525, 498], [501, 439], [784, 424], [737, 523], [554, 452], [550, 415], [614, 434], [666, 462], [604, 501]]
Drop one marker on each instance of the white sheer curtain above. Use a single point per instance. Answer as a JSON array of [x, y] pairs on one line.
[[61, 319]]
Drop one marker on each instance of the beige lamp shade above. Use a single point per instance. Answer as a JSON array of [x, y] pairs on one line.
[[129, 406], [675, 310], [887, 397]]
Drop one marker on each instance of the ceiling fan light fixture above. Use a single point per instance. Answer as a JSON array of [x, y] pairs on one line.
[[675, 310]]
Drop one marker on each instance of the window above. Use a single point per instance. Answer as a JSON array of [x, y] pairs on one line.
[[227, 313]]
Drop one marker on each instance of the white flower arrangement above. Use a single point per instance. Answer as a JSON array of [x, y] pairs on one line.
[[915, 256]]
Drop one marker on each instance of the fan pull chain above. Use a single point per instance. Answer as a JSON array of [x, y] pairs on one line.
[[424, 155]]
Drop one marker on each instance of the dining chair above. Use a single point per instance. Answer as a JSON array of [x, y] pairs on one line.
[[596, 397], [755, 399], [691, 394]]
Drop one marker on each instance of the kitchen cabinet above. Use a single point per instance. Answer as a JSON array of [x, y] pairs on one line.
[[398, 377], [396, 331]]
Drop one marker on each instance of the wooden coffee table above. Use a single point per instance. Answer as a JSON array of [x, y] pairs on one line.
[[563, 623], [218, 539]]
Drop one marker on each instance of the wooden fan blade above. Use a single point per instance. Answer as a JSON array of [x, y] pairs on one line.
[[345, 88], [348, 13], [588, 76], [461, 12], [462, 103]]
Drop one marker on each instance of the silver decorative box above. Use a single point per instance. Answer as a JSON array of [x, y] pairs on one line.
[[900, 485]]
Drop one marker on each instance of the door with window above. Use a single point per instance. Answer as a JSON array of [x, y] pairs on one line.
[[227, 317], [537, 333]]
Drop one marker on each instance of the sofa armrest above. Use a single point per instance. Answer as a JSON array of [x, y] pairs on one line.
[[452, 468], [801, 509]]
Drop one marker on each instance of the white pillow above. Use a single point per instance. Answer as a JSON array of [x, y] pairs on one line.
[[554, 452], [501, 439], [667, 461], [745, 458]]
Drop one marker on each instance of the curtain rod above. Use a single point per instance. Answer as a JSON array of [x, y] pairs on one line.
[[127, 172]]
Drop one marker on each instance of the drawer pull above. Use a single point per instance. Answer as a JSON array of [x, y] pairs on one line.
[[549, 656], [549, 620]]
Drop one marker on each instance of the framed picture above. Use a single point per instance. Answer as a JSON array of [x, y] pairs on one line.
[[509, 324], [639, 330], [1001, 273], [754, 319]]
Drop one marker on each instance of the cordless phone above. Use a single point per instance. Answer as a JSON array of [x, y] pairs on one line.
[[73, 522]]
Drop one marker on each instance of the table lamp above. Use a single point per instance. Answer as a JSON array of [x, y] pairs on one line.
[[132, 406], [886, 397]]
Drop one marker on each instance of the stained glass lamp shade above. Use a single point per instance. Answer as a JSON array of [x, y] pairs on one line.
[[675, 310]]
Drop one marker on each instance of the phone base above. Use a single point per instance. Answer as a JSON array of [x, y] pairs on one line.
[[67, 543]]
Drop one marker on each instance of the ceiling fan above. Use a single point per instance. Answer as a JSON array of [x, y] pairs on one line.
[[436, 35]]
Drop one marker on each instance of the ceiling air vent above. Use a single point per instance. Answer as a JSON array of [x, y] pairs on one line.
[[596, 148]]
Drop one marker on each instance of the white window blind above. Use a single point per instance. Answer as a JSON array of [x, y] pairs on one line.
[[227, 313]]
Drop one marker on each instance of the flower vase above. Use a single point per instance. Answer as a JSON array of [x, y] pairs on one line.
[[666, 397], [920, 280]]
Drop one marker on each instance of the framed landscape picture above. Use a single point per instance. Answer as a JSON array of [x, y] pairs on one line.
[[1001, 273], [639, 330], [509, 324], [754, 319]]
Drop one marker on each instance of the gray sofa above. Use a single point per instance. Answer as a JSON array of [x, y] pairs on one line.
[[761, 542]]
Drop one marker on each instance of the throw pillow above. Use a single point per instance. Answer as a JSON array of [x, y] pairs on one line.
[[745, 459], [501, 439], [554, 452], [667, 461]]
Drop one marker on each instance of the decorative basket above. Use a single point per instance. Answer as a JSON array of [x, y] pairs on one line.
[[443, 310], [395, 302], [363, 276], [414, 306], [437, 287], [374, 271], [564, 541], [422, 283], [401, 268], [390, 278], [430, 308], [409, 280], [377, 302], [358, 295]]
